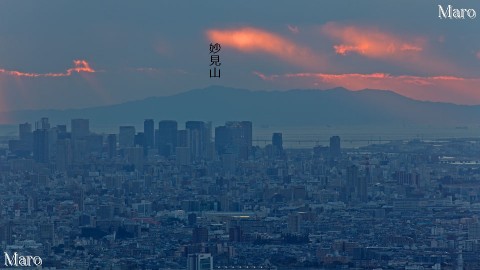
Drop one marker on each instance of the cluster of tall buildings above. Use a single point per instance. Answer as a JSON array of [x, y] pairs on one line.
[[193, 143]]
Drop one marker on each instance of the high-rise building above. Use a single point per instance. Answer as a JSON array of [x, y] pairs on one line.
[[335, 150], [234, 138], [277, 140], [134, 156], [43, 124], [199, 138], [64, 154], [62, 129], [25, 131], [126, 136], [80, 128], [80, 151], [183, 138], [356, 185], [277, 144], [41, 146], [94, 143], [149, 131], [352, 181], [52, 139], [62, 132], [247, 132], [139, 139], [112, 145], [200, 261], [167, 137], [26, 137], [222, 139]]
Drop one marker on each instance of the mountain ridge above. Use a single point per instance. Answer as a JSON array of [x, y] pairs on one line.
[[337, 106]]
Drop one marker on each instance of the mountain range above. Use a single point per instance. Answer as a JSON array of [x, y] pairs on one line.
[[337, 106]]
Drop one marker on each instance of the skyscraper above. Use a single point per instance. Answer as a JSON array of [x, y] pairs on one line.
[[222, 139], [52, 139], [199, 138], [247, 132], [25, 131], [352, 181], [62, 132], [80, 128], [167, 137], [40, 146], [112, 145], [94, 143], [139, 139], [183, 138], [234, 138], [335, 149], [26, 136], [149, 131], [277, 143], [63, 155], [277, 140], [126, 136], [134, 156], [43, 124]]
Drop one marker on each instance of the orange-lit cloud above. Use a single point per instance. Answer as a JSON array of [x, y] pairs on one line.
[[293, 29], [79, 66], [252, 40], [413, 53], [265, 77], [370, 42], [435, 88], [22, 83]]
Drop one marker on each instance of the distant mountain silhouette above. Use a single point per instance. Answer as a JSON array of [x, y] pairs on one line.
[[279, 108]]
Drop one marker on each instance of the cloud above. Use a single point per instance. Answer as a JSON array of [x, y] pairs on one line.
[[79, 66], [435, 88], [370, 42], [253, 40], [478, 54], [293, 29], [18, 86], [411, 52]]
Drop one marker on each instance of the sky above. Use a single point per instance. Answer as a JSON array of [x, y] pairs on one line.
[[61, 54]]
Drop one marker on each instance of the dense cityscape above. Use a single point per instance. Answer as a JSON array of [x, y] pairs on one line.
[[206, 197]]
